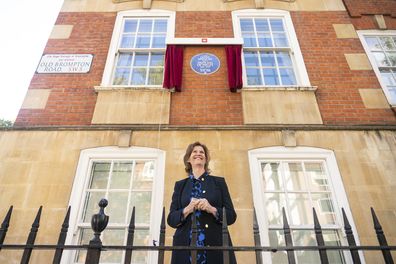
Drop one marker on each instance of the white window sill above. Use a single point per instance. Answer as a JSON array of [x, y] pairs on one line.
[[280, 88], [114, 88]]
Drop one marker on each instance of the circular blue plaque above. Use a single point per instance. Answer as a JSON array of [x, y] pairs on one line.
[[205, 63]]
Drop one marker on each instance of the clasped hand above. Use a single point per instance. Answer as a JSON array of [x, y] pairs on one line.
[[199, 204]]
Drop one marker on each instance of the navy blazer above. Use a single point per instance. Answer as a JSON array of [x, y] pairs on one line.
[[216, 192]]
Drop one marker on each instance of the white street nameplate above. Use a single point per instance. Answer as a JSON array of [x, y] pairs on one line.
[[65, 63]]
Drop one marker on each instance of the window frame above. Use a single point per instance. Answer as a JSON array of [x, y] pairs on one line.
[[300, 71], [82, 177], [361, 35], [112, 55], [280, 153]]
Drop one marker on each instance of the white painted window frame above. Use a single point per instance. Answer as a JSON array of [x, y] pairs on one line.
[[297, 58], [117, 32], [362, 34], [82, 178], [298, 153]]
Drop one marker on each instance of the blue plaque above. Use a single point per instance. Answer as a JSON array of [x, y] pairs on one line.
[[205, 63]]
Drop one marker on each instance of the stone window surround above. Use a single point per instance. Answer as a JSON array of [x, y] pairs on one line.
[[82, 177], [298, 61], [280, 153], [362, 34]]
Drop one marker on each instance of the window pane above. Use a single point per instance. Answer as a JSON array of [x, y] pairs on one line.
[[144, 175], [261, 24], [280, 40], [271, 176], [247, 25], [121, 176], [160, 25], [284, 59], [145, 25], [85, 236], [142, 203], [117, 207], [121, 76], [155, 76], [141, 59], [253, 76], [373, 43], [306, 238], [387, 77], [127, 41], [251, 59], [270, 77], [268, 59], [130, 26], [392, 58], [100, 175], [112, 237], [277, 239], [380, 59], [264, 40], [387, 43], [332, 238], [141, 238], [159, 41], [124, 60], [139, 76], [157, 59], [294, 177], [276, 25], [287, 76], [91, 205], [324, 208], [249, 40], [300, 209], [274, 202], [143, 41], [316, 176]]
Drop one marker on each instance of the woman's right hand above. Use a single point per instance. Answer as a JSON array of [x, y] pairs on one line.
[[190, 207]]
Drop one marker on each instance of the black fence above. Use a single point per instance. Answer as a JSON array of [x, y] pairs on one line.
[[99, 222]]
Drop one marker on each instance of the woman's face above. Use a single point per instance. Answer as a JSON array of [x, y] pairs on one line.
[[197, 157]]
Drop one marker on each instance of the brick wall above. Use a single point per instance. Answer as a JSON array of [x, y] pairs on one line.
[[72, 98], [358, 8], [217, 24], [338, 87], [205, 99]]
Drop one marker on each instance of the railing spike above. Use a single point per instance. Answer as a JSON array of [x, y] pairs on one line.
[[194, 235], [350, 238], [162, 238], [319, 238], [381, 238], [226, 253], [256, 235], [62, 238], [5, 225], [31, 238], [131, 234], [288, 239]]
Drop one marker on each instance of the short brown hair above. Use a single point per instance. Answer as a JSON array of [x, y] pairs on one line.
[[189, 150]]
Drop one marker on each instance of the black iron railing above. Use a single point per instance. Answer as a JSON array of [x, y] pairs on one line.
[[99, 222]]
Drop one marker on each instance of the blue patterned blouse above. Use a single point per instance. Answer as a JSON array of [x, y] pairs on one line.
[[196, 192]]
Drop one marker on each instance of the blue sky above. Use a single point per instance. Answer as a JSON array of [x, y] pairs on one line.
[[25, 26]]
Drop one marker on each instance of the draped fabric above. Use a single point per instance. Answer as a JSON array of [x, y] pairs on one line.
[[173, 67], [196, 192], [234, 66]]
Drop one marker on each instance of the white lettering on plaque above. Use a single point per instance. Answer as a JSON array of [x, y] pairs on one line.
[[65, 63]]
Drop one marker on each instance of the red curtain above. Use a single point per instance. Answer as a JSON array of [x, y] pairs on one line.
[[234, 66], [173, 67]]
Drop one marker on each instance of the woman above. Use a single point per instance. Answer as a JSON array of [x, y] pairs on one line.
[[207, 195]]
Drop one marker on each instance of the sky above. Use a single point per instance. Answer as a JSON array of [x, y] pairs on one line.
[[25, 26]]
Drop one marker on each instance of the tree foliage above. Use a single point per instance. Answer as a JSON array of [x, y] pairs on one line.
[[5, 123]]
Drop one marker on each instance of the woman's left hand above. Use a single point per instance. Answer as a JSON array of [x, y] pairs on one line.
[[204, 205]]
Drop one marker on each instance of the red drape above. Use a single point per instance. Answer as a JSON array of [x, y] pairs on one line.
[[234, 66], [173, 67]]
